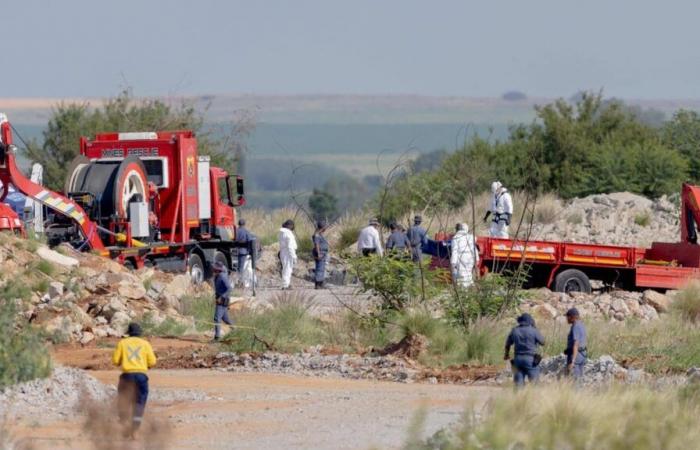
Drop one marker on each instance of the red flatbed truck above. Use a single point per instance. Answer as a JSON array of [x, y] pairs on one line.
[[570, 266]]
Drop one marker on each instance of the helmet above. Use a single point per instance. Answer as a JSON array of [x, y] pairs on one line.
[[495, 186]]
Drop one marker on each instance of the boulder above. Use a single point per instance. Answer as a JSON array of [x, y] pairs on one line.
[[178, 286], [132, 291], [56, 258], [86, 338], [119, 321], [545, 311], [659, 301], [169, 301], [55, 289]]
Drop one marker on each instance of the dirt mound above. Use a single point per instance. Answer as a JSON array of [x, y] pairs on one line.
[[410, 346], [620, 218]]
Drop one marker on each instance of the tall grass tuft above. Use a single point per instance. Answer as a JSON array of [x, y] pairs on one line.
[[687, 302], [547, 209], [561, 417]]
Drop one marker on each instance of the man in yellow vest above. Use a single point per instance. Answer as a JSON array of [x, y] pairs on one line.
[[135, 356]]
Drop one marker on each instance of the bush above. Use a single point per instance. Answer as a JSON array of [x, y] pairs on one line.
[[45, 267], [687, 302], [561, 417], [200, 307], [547, 209], [23, 354], [489, 296], [287, 327], [168, 327], [14, 289], [396, 281], [643, 219]]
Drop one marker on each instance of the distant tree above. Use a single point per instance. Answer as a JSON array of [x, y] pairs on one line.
[[428, 161], [682, 133], [514, 96], [323, 205], [70, 121]]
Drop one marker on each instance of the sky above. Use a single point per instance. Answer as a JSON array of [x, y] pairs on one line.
[[631, 49]]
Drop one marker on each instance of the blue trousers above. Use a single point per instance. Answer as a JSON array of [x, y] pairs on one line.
[[241, 261], [133, 394], [523, 368], [320, 269], [577, 371], [220, 314]]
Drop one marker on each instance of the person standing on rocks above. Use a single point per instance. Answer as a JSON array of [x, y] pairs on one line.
[[288, 252], [525, 338], [417, 236], [135, 356], [222, 293], [576, 351], [320, 253], [501, 209]]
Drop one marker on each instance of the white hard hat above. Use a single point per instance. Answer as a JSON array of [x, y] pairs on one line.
[[495, 186]]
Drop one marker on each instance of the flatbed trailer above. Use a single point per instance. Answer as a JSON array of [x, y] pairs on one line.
[[569, 266]]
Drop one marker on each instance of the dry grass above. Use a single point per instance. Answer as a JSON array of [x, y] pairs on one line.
[[561, 417], [687, 303], [266, 224]]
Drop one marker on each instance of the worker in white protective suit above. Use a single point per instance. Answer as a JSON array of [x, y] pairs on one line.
[[464, 256], [288, 252], [501, 209]]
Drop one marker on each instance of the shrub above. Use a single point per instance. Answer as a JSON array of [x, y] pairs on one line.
[[561, 417], [15, 288], [487, 297], [45, 267], [396, 281], [643, 219], [23, 354], [575, 218], [687, 302], [287, 327], [547, 209], [168, 327], [200, 307]]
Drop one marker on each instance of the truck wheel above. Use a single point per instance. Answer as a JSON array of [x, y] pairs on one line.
[[195, 267], [220, 257], [572, 280]]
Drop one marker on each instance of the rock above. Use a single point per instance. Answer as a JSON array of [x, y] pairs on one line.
[[80, 317], [618, 305], [86, 338], [157, 287], [169, 301], [119, 321], [178, 286], [132, 291], [545, 311], [55, 289], [693, 375], [659, 301], [56, 258]]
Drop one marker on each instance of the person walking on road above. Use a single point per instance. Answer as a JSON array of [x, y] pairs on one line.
[[417, 236], [222, 298], [369, 243], [464, 256], [501, 209], [243, 240], [398, 243], [576, 350], [134, 356], [288, 252], [525, 338], [320, 253]]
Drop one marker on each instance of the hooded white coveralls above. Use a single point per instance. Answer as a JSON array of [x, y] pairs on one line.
[[463, 258], [501, 204], [288, 254]]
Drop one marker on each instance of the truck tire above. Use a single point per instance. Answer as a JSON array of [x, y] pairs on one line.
[[220, 257], [572, 280], [195, 268]]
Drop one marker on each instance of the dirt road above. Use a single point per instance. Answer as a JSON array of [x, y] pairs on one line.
[[262, 411]]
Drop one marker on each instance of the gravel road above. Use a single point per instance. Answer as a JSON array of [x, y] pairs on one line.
[[263, 411]]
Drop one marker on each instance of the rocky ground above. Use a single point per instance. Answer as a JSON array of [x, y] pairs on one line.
[[618, 219]]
